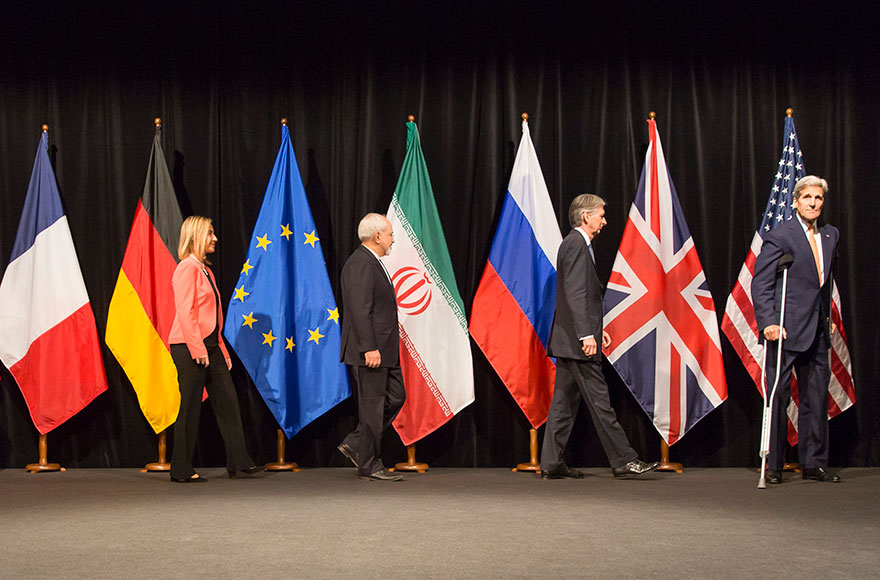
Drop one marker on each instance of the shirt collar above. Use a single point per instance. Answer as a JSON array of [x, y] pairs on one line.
[[585, 236], [806, 226], [372, 252]]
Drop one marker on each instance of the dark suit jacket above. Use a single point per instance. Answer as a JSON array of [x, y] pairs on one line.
[[806, 303], [369, 317], [578, 300]]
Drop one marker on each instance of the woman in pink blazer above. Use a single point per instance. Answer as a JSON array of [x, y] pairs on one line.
[[201, 357]]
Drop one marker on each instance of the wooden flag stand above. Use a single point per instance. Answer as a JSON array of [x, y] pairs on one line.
[[281, 464], [665, 464], [533, 464], [43, 465], [162, 464], [411, 463]]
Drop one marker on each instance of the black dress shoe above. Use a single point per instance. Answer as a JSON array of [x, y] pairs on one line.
[[773, 476], [382, 475], [191, 479], [251, 471], [820, 474], [634, 468], [562, 472], [350, 453]]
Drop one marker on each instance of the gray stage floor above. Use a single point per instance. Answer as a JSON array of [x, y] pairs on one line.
[[447, 523]]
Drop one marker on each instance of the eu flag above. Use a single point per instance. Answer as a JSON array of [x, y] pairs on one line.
[[282, 319]]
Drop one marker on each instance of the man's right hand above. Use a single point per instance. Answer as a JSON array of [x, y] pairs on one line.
[[588, 345], [772, 332], [373, 358]]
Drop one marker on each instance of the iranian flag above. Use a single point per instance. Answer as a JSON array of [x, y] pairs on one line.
[[435, 352]]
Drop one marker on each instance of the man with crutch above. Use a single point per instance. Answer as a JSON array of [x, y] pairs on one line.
[[806, 335]]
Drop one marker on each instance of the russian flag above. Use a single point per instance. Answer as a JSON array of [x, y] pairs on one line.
[[513, 308], [48, 339]]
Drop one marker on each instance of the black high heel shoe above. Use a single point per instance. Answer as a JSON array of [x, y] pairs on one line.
[[191, 479], [246, 472]]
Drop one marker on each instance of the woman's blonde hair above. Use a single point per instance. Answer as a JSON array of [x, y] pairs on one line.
[[193, 237]]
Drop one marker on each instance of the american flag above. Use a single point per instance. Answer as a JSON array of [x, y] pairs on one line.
[[659, 312], [739, 323]]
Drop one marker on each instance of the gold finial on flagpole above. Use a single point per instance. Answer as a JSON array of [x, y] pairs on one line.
[[411, 118], [525, 116], [45, 128], [789, 112], [652, 115], [158, 122], [284, 121]]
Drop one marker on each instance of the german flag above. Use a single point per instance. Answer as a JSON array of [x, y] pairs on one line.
[[142, 306]]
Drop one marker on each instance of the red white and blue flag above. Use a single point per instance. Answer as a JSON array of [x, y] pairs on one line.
[[513, 307], [48, 339], [739, 323], [658, 309]]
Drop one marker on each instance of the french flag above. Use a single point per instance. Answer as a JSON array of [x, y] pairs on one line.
[[48, 339], [513, 308]]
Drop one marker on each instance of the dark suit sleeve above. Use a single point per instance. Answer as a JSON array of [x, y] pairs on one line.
[[764, 282], [358, 297], [573, 264]]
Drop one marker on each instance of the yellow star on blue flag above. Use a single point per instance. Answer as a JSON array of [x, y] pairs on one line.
[[311, 238], [315, 335], [263, 242], [240, 293]]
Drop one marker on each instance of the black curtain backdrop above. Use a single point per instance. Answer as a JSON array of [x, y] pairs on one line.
[[347, 74]]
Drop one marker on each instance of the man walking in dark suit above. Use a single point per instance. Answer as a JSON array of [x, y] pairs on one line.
[[806, 336], [370, 346], [577, 328]]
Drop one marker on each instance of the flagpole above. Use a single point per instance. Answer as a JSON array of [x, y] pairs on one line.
[[665, 464], [161, 464], [43, 464], [533, 464], [281, 464], [411, 463], [790, 465]]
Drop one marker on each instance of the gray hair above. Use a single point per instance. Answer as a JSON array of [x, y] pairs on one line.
[[584, 203], [809, 181], [371, 224]]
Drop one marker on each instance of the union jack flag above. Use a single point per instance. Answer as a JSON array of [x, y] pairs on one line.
[[659, 312], [739, 323]]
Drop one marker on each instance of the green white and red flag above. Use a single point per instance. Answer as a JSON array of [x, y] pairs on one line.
[[435, 352]]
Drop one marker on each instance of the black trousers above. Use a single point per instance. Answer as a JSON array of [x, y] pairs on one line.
[[577, 379], [221, 393], [380, 397], [813, 374]]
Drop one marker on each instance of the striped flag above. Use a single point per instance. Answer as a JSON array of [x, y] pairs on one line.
[[513, 307], [658, 309], [142, 305], [739, 324], [435, 351], [48, 338]]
